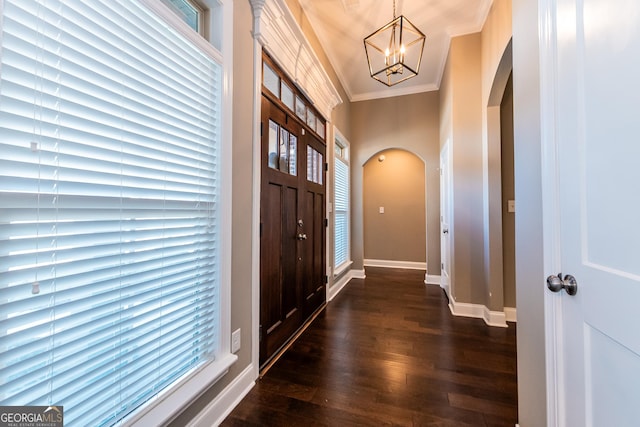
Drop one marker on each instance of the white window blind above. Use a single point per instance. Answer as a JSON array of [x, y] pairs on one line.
[[109, 184], [341, 213]]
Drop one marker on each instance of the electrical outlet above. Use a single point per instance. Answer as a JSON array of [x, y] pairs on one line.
[[235, 341]]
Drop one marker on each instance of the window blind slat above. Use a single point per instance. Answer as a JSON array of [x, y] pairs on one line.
[[109, 264], [97, 44], [100, 332], [95, 117], [75, 300]]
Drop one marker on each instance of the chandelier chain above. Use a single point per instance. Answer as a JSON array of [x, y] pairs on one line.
[[394, 9]]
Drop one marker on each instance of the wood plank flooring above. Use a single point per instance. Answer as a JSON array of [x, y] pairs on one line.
[[387, 351]]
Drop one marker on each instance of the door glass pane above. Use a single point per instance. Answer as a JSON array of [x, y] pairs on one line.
[[287, 96], [270, 79], [320, 128], [314, 166], [284, 150], [301, 109], [310, 163], [293, 154], [273, 144], [311, 119], [319, 168], [314, 176]]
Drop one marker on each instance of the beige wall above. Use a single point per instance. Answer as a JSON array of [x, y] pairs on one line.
[[407, 122], [396, 184], [496, 68], [461, 111], [473, 83], [530, 268]]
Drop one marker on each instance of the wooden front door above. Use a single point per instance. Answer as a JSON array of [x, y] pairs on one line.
[[292, 243]]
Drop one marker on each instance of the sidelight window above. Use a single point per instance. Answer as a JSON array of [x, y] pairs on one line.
[[341, 205]]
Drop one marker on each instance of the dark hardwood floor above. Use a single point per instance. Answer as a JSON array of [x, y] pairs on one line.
[[387, 351]]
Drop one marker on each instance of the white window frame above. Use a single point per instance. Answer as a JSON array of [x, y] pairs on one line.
[[342, 142], [201, 11], [219, 30]]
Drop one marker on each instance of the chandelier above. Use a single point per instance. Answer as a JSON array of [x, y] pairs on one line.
[[394, 51]]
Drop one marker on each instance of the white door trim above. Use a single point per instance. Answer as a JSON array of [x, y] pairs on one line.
[[550, 201], [445, 276], [255, 208]]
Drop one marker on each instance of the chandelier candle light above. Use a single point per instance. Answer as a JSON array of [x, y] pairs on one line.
[[394, 51]]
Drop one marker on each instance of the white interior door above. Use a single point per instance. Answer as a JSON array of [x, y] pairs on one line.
[[596, 128], [445, 216]]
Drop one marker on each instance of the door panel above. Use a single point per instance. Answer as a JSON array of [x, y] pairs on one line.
[[313, 267], [280, 313], [290, 292], [613, 386], [598, 61], [270, 263], [314, 211]]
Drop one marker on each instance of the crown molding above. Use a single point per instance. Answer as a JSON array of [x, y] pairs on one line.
[[276, 29]]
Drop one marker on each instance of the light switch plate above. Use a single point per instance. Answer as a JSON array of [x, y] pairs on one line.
[[235, 341], [381, 209]]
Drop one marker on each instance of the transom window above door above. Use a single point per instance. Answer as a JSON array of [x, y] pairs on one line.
[[284, 91]]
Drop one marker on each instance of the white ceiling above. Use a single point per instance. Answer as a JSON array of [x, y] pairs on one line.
[[341, 26]]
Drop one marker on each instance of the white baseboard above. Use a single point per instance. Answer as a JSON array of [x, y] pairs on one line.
[[510, 314], [358, 274], [478, 311], [447, 290], [340, 284], [412, 265], [494, 318], [432, 279], [337, 286], [218, 409]]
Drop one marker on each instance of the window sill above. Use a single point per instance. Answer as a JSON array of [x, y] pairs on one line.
[[342, 268], [165, 406]]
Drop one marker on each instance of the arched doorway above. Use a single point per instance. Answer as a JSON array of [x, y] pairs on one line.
[[394, 210], [500, 218]]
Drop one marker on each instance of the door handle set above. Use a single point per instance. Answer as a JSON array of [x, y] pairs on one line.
[[559, 282], [302, 236]]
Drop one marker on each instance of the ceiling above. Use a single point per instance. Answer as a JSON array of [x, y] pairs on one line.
[[341, 26]]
